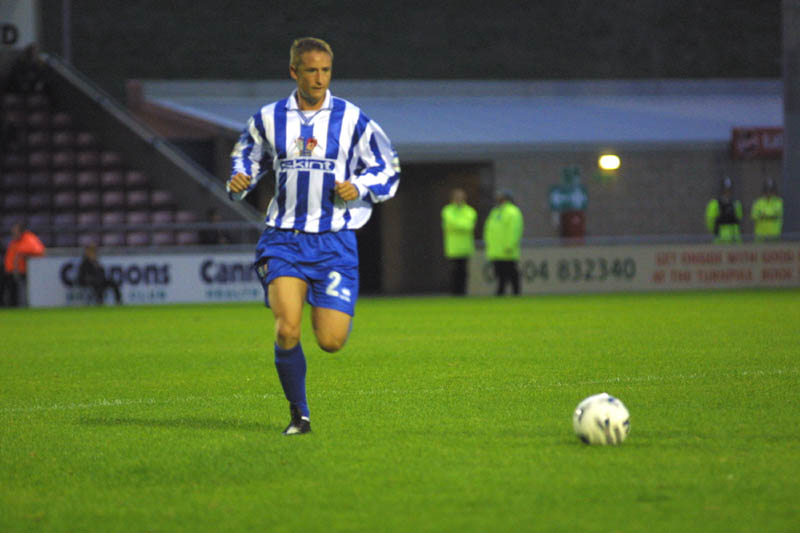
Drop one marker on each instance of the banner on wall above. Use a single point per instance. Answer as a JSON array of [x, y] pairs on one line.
[[149, 279], [646, 268]]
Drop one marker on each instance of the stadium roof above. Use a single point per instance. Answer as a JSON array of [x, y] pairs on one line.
[[458, 120]]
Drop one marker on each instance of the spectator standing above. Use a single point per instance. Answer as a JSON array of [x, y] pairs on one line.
[[767, 213], [724, 215], [502, 234], [24, 244], [458, 227], [91, 274]]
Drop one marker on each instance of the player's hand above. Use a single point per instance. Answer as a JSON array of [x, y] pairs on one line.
[[239, 182], [346, 190]]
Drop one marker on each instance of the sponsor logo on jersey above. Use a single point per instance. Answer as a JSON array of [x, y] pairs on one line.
[[302, 163]]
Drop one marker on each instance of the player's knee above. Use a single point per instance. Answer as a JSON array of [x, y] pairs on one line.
[[331, 343], [288, 333]]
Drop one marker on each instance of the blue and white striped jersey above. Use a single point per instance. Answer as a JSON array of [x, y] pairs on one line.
[[309, 151]]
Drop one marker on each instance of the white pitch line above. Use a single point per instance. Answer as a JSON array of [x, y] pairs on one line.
[[121, 402]]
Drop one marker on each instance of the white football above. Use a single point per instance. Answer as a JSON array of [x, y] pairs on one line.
[[601, 419]]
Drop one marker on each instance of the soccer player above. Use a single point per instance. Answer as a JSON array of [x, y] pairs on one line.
[[331, 164]]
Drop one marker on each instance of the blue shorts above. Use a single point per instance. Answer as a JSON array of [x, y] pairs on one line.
[[327, 262]]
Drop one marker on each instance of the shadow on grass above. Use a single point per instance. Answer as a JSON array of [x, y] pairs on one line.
[[182, 423]]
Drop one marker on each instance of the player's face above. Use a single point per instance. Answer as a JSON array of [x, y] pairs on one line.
[[313, 76]]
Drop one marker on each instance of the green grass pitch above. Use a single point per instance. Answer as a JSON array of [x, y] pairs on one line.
[[441, 414]]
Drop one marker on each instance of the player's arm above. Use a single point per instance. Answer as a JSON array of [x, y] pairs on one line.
[[379, 178], [246, 158]]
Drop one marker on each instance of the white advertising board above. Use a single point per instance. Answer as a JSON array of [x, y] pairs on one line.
[[149, 279], [646, 267]]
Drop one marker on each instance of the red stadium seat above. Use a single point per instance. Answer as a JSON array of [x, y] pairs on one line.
[[88, 199], [61, 120], [39, 159], [63, 139], [64, 200], [15, 201], [39, 200], [85, 140], [64, 159], [64, 179], [87, 159], [113, 199], [137, 217], [14, 180], [137, 238], [39, 180], [111, 179], [110, 159], [89, 218], [135, 179], [163, 238], [183, 216], [111, 218], [89, 239], [137, 198], [38, 139], [65, 220], [187, 237], [162, 217], [87, 179], [113, 239], [65, 239]]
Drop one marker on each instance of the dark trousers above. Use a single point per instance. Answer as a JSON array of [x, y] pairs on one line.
[[12, 290], [506, 272], [458, 276], [99, 287]]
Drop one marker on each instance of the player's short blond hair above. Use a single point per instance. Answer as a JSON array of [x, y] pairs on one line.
[[306, 44]]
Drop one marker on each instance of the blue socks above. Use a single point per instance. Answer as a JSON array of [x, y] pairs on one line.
[[291, 365]]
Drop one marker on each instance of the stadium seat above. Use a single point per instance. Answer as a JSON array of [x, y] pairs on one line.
[[113, 239], [61, 120], [13, 101], [39, 120], [113, 199], [89, 239], [85, 140], [39, 219], [135, 179], [88, 199], [183, 216], [39, 200], [163, 216], [14, 201], [38, 180], [64, 200], [64, 179], [136, 217], [40, 159], [65, 220], [37, 101], [137, 238], [163, 238], [63, 139], [13, 161], [136, 198], [7, 218], [112, 218], [111, 179], [14, 181], [89, 218], [87, 159], [65, 239], [110, 159], [160, 198], [38, 139], [187, 237], [87, 179], [63, 159]]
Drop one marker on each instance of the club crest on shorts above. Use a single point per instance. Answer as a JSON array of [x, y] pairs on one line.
[[306, 145]]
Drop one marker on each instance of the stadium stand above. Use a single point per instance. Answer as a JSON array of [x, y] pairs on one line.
[[81, 171]]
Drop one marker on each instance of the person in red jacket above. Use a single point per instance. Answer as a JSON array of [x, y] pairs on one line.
[[24, 244]]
